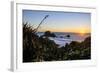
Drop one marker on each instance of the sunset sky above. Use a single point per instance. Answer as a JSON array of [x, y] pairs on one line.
[[59, 21]]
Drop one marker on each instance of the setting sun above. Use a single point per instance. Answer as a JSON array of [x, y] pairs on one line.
[[83, 32]]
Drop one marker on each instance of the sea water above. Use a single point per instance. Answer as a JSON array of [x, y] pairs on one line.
[[62, 37]]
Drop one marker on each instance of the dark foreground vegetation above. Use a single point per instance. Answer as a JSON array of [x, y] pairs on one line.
[[37, 49]]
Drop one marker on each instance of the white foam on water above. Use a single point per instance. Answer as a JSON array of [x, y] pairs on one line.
[[61, 38]]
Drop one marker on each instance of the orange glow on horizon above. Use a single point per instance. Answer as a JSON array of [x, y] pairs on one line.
[[81, 30]]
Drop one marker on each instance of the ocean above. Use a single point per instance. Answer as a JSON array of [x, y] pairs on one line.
[[66, 37]]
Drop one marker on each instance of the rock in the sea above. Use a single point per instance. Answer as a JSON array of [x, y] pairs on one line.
[[68, 36], [49, 34]]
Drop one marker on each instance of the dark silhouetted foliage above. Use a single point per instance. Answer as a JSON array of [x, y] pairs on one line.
[[37, 49]]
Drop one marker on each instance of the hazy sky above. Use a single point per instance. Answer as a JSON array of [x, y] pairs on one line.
[[59, 21]]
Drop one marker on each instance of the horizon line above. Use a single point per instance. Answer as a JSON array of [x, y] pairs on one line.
[[64, 32]]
